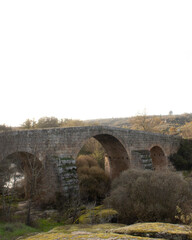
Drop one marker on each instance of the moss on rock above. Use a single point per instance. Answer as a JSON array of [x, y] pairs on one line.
[[157, 230], [84, 231], [98, 215]]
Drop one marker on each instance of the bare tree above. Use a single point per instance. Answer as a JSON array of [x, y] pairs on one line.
[[145, 123], [32, 169], [9, 176], [6, 173]]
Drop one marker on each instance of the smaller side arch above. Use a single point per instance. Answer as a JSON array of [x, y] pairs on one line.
[[159, 159], [25, 167]]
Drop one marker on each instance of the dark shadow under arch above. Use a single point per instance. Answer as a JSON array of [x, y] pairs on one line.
[[29, 166], [159, 159], [116, 159]]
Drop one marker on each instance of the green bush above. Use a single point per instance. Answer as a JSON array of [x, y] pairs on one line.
[[148, 195], [182, 160]]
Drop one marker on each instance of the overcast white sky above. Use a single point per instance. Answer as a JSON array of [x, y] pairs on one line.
[[94, 59]]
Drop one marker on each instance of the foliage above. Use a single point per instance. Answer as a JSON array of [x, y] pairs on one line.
[[47, 122], [85, 161], [95, 149], [10, 231], [93, 182], [148, 195], [51, 122], [4, 128], [45, 225], [20, 175], [99, 155], [29, 124], [166, 124], [185, 218], [145, 123], [182, 160], [9, 177], [186, 130], [71, 123]]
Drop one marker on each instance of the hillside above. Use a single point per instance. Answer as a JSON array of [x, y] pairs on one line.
[[121, 122], [167, 124]]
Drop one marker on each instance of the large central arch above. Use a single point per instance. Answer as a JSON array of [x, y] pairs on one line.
[[116, 159]]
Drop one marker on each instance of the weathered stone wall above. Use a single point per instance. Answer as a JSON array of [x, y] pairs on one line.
[[59, 148]]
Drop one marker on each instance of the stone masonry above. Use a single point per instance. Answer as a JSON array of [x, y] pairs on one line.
[[57, 149]]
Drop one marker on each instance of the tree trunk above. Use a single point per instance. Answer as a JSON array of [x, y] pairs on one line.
[[28, 219]]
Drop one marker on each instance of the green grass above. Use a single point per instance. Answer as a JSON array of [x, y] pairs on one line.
[[11, 231], [45, 225]]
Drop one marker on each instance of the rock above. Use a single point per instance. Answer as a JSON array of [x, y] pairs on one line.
[[21, 212], [22, 205], [98, 215], [157, 230]]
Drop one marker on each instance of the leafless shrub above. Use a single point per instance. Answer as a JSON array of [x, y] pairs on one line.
[[148, 195]]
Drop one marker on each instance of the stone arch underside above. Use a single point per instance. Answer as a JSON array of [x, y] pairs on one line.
[[29, 166], [116, 159], [159, 159]]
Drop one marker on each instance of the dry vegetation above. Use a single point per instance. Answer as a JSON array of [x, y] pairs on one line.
[[93, 182], [168, 124], [148, 196], [143, 196]]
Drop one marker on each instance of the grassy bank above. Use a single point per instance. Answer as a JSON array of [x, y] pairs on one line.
[[11, 231]]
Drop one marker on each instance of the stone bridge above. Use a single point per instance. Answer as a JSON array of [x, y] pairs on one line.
[[57, 149]]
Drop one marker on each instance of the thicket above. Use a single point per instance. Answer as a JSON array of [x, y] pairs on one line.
[[94, 149], [53, 122], [149, 196], [182, 160], [93, 182], [4, 128]]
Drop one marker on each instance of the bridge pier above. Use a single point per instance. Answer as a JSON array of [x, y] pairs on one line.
[[142, 159], [66, 171]]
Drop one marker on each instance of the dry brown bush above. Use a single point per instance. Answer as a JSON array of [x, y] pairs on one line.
[[86, 161], [148, 195], [93, 182]]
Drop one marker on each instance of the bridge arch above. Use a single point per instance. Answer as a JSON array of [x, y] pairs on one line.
[[116, 158], [26, 167], [159, 159], [57, 149]]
